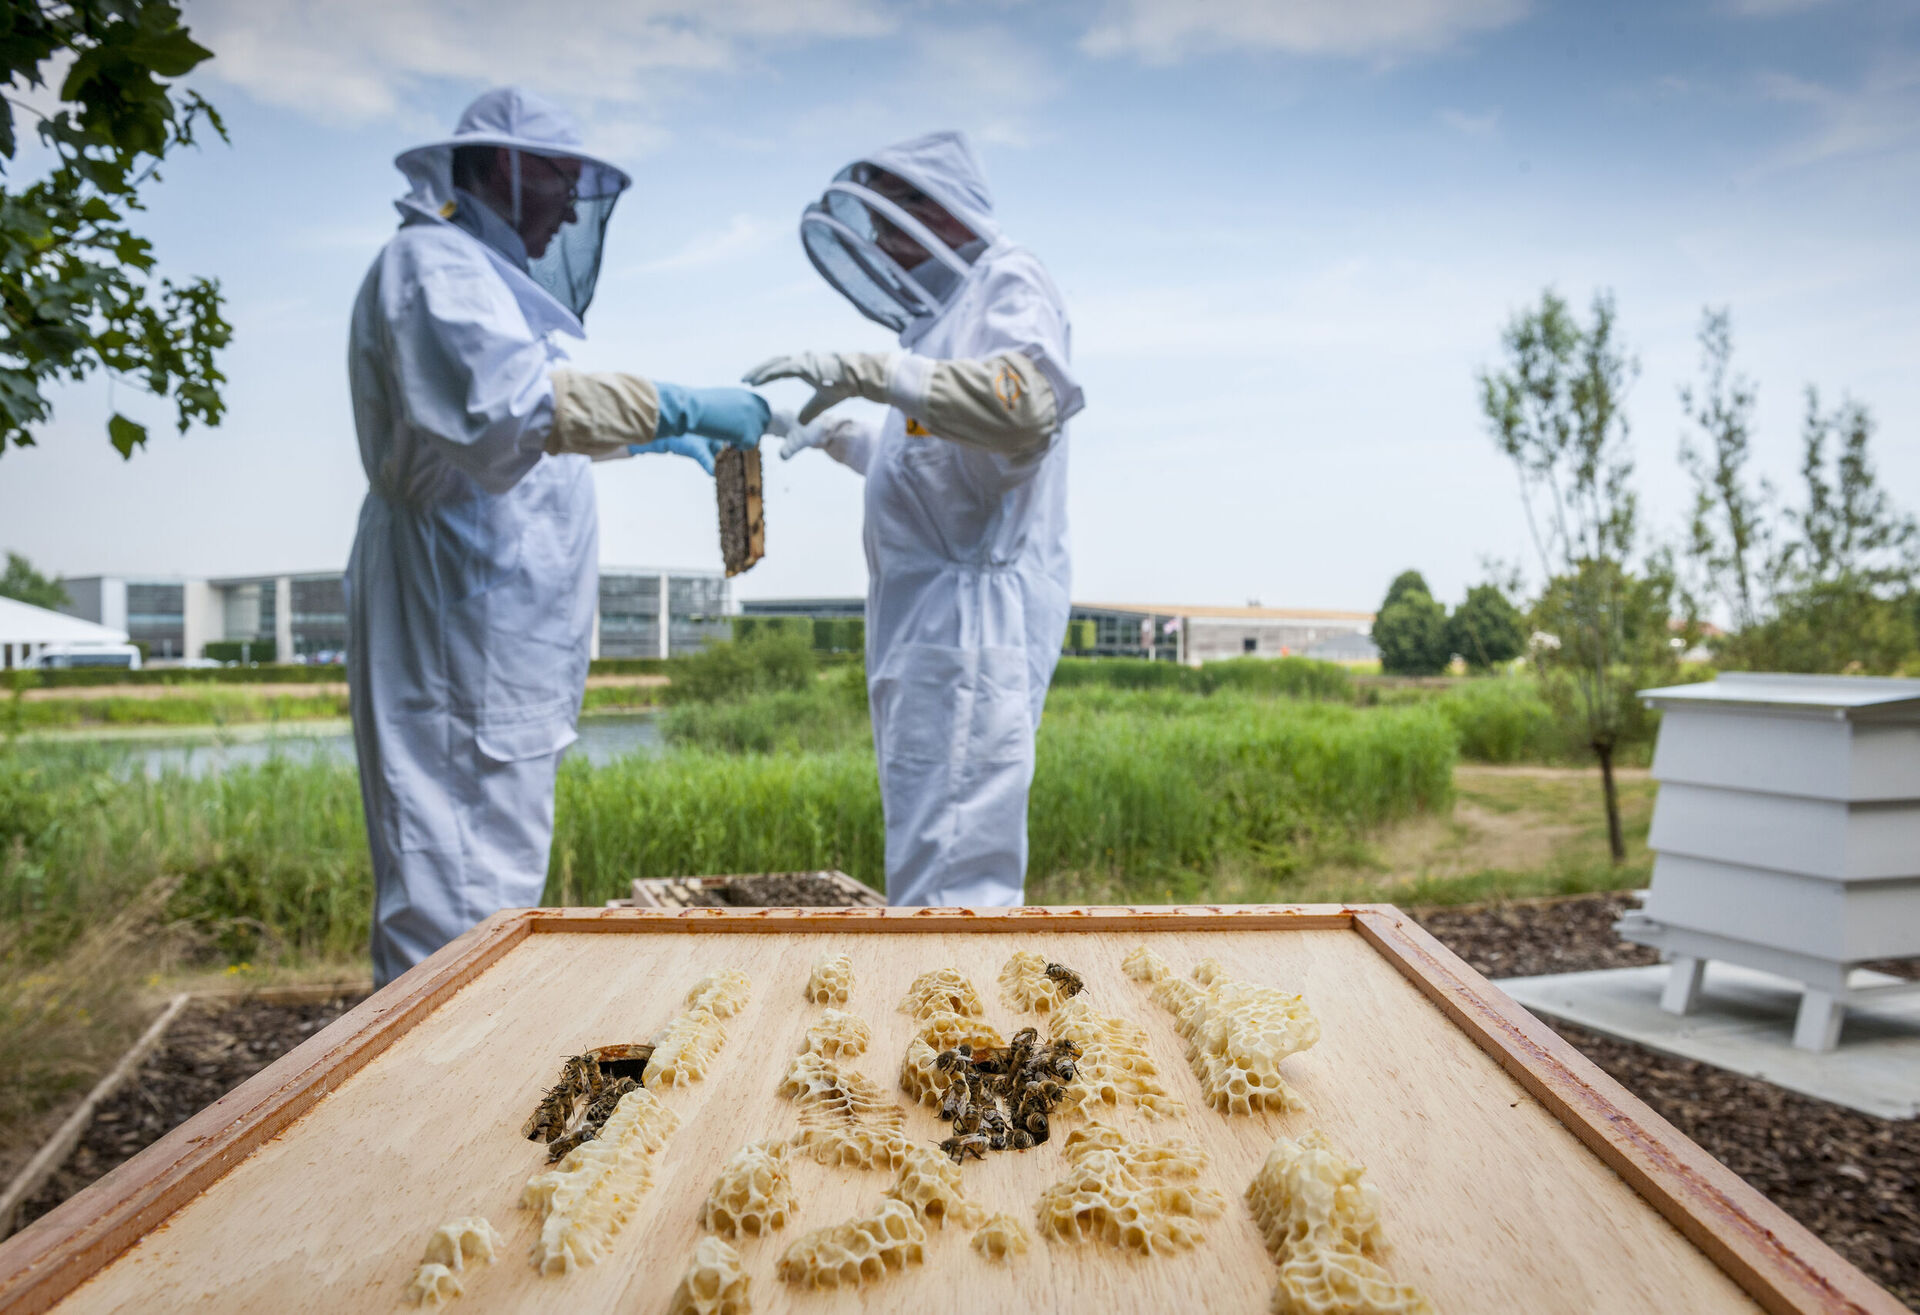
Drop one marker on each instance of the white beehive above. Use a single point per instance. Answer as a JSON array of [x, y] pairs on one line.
[[1786, 835]]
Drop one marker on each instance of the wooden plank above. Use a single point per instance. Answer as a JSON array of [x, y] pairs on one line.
[[59, 1146], [47, 1259], [1783, 1265]]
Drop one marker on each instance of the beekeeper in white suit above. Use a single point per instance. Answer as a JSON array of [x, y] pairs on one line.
[[471, 589], [966, 503]]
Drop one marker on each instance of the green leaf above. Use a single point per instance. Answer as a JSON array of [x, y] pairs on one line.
[[126, 435]]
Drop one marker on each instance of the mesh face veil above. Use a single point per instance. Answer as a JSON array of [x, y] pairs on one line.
[[569, 265], [889, 264], [557, 196]]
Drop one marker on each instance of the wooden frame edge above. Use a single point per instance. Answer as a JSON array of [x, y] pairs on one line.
[[62, 1249], [1065, 918], [1774, 1258]]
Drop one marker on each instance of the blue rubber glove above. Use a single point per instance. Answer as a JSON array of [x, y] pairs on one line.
[[702, 450], [732, 415]]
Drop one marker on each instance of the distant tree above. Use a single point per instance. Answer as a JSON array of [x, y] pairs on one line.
[[1407, 582], [1411, 629], [21, 581], [78, 283], [1555, 410], [1486, 629]]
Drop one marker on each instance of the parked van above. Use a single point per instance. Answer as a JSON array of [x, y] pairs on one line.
[[56, 657]]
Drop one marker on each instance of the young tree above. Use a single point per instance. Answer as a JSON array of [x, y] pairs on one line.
[[1730, 538], [1485, 630], [78, 283], [24, 583], [1555, 411]]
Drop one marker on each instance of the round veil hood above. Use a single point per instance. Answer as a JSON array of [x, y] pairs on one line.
[[522, 121], [841, 230]]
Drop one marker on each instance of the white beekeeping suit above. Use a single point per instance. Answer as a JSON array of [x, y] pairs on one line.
[[966, 504], [474, 574]]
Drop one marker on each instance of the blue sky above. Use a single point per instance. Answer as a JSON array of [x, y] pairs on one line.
[[1287, 234]]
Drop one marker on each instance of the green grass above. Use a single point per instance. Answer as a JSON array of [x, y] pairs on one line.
[[1289, 677], [269, 863], [206, 706]]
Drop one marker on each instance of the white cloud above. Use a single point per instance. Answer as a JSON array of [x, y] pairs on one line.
[[742, 235], [1160, 33], [359, 60], [1472, 125], [1879, 115]]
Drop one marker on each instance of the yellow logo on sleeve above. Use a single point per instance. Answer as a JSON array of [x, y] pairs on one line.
[[1008, 388]]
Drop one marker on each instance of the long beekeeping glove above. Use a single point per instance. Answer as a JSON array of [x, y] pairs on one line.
[[1003, 403]]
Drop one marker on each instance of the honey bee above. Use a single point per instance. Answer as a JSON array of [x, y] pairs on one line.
[[1036, 1125], [955, 1102], [996, 1128], [1066, 979], [959, 1148], [593, 1120], [578, 1078], [1020, 1139], [955, 1060], [584, 1077]]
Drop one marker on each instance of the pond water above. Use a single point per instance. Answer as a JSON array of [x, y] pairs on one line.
[[603, 739]]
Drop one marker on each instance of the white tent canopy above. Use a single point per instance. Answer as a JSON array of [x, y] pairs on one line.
[[26, 629]]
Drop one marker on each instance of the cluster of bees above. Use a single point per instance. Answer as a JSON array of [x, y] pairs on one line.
[[1029, 1078], [598, 1078]]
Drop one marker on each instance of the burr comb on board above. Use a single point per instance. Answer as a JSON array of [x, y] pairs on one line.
[[743, 529]]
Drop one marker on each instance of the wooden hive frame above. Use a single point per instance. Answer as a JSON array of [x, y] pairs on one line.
[[1773, 1259], [683, 892], [743, 522]]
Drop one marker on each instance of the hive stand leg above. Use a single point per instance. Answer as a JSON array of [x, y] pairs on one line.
[[1818, 1024], [1683, 984]]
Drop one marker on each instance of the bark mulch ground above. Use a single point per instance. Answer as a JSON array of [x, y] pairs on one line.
[[1851, 1178], [210, 1049]]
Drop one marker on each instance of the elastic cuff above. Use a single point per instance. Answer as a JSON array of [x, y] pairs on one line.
[[909, 380]]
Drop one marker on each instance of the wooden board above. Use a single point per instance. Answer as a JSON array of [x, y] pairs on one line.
[[1516, 1177]]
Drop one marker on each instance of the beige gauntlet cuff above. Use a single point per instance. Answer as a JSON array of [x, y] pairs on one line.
[[1002, 403], [599, 415]]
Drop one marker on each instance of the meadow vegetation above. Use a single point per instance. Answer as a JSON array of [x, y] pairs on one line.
[[1245, 781]]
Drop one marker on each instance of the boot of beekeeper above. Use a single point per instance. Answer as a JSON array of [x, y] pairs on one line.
[[471, 589], [966, 502]]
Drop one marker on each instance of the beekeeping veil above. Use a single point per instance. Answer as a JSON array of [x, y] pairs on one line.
[[846, 231], [528, 125]]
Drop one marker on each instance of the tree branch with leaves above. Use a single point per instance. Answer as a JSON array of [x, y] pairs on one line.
[[79, 285]]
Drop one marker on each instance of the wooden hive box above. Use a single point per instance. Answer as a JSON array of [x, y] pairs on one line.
[[1514, 1175]]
